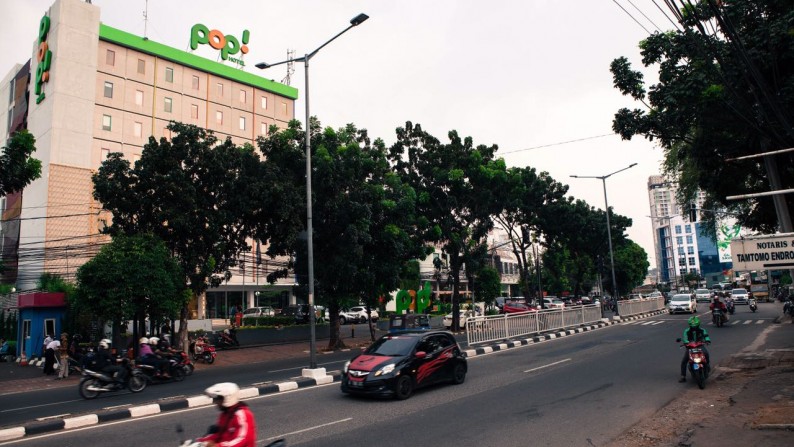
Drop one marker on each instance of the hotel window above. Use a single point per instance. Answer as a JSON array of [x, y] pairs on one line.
[[678, 229], [679, 240], [219, 89], [138, 97], [168, 104], [194, 111], [108, 89], [264, 102], [284, 108], [263, 128], [138, 129], [219, 117], [689, 239], [242, 96], [110, 57], [195, 82], [242, 123], [141, 66], [691, 261], [688, 229], [104, 153], [106, 122], [681, 251], [690, 250], [169, 74]]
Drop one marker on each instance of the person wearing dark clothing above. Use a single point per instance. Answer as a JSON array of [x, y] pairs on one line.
[[692, 334], [50, 352], [107, 363]]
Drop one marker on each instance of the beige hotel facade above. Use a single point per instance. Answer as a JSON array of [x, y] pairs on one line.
[[106, 90]]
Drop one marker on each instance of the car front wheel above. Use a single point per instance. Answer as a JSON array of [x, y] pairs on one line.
[[459, 374], [342, 320], [404, 388]]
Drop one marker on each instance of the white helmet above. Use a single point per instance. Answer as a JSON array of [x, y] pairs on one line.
[[104, 343], [153, 340], [229, 392], [143, 341]]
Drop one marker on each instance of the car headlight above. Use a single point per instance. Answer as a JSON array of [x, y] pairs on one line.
[[385, 370], [697, 360], [346, 366]]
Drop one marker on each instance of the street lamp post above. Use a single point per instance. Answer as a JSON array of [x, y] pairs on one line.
[[355, 21], [603, 179]]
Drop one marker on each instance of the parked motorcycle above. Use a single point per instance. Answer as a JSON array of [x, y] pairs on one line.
[[228, 338], [201, 349], [93, 383], [753, 305], [698, 366], [717, 317]]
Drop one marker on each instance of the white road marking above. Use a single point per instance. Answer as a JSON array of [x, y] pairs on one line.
[[299, 367], [308, 429], [657, 322], [546, 366], [747, 322], [759, 322], [37, 406]]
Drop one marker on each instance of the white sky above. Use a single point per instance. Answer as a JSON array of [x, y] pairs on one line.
[[516, 73]]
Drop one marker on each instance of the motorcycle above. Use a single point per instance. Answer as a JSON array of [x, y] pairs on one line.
[[753, 305], [731, 307], [214, 429], [152, 373], [183, 360], [698, 366], [788, 308], [93, 383], [228, 338], [717, 317], [201, 349]]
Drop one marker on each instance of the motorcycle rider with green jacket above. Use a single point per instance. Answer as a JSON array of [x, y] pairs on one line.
[[693, 333]]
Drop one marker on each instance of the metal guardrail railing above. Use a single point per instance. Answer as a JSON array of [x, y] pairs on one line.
[[640, 306], [490, 328]]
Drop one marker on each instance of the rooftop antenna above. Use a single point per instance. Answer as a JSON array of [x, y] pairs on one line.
[[290, 67], [145, 19]]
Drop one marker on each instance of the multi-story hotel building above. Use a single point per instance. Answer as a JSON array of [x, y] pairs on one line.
[[89, 90]]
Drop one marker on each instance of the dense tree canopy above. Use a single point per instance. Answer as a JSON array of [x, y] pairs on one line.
[[455, 194], [363, 215], [725, 90], [199, 196], [17, 167]]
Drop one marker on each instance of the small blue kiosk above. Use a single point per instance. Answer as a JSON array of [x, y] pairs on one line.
[[40, 314]]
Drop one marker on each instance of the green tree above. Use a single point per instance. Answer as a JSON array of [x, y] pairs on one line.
[[631, 265], [724, 91], [454, 201], [132, 276], [530, 205], [363, 216], [202, 198], [17, 167]]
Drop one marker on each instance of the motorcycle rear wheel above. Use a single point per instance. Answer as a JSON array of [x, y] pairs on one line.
[[209, 359], [178, 374], [189, 369], [85, 393], [137, 383]]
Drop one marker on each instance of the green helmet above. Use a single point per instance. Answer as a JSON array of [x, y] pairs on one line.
[[694, 321]]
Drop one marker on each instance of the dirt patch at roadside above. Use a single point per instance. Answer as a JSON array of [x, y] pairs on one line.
[[748, 401]]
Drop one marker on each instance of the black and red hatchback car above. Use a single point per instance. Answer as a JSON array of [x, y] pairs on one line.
[[397, 364]]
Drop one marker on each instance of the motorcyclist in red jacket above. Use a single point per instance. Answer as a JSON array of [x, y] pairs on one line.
[[717, 304], [235, 427]]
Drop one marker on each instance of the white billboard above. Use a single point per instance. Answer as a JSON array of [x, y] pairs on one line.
[[769, 252], [727, 230]]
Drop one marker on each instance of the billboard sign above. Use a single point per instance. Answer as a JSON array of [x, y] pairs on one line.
[[726, 232], [227, 44], [770, 252]]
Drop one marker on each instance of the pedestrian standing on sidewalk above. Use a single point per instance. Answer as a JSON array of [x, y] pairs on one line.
[[63, 351], [49, 356], [47, 341]]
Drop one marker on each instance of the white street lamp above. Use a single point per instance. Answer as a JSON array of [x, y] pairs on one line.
[[355, 21]]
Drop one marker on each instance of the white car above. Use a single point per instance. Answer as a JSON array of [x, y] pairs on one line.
[[552, 302], [361, 313], [447, 320], [740, 296], [703, 295], [682, 302]]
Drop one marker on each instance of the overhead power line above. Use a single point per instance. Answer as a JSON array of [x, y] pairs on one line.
[[557, 144]]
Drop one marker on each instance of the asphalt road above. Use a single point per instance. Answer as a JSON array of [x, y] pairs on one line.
[[579, 390]]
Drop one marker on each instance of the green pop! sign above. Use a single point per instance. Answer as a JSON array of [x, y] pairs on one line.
[[44, 58], [228, 45]]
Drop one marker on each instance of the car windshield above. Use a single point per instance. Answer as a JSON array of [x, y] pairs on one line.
[[703, 291], [392, 345], [738, 292], [681, 298]]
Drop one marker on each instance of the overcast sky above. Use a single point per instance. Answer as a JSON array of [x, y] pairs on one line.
[[526, 75]]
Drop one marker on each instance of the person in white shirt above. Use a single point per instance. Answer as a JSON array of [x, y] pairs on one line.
[[49, 356]]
